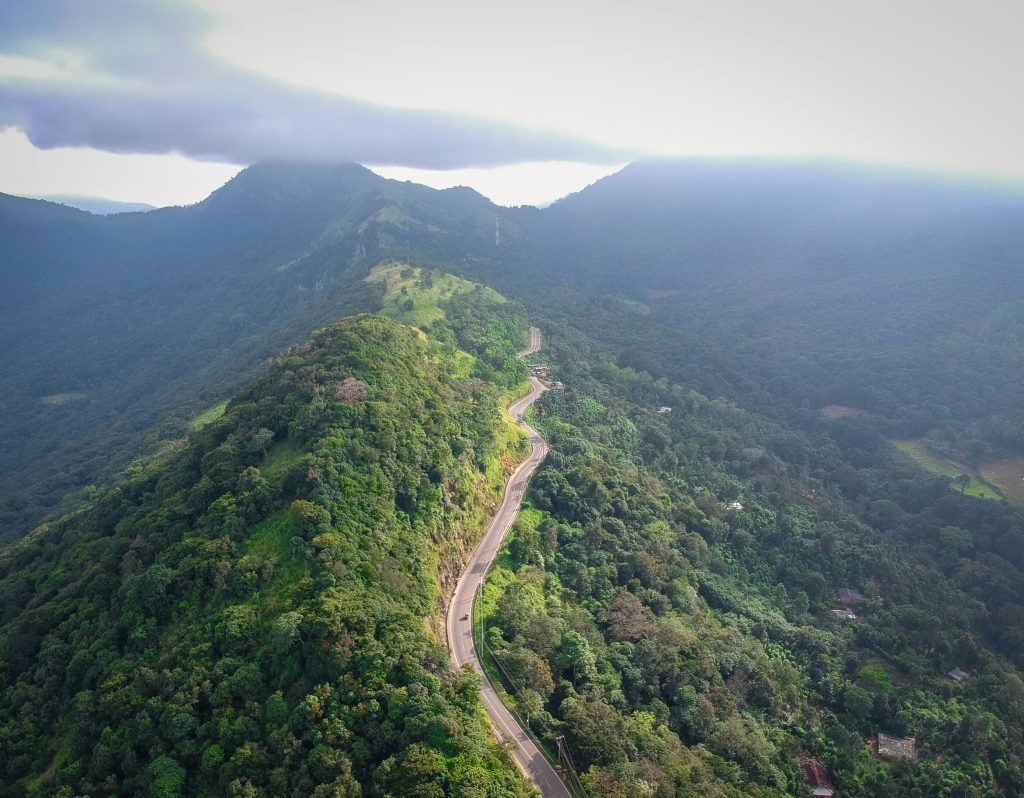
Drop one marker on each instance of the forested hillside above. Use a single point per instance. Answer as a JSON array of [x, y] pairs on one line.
[[667, 606], [118, 331], [835, 355], [259, 614], [793, 286], [797, 320]]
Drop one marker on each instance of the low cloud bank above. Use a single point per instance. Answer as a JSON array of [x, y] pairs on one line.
[[140, 82]]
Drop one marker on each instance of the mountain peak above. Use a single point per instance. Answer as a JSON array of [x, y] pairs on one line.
[[291, 180]]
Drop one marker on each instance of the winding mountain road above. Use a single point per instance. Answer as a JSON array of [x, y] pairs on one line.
[[460, 612]]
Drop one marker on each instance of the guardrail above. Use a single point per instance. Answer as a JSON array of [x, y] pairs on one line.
[[563, 763]]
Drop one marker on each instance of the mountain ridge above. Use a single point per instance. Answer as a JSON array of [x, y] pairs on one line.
[[303, 556], [737, 357]]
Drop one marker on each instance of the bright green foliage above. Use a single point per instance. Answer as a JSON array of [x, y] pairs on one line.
[[694, 554], [250, 618], [688, 638], [417, 296], [120, 331], [964, 479]]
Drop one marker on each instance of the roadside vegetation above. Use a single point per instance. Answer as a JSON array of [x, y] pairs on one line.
[[246, 617], [670, 613]]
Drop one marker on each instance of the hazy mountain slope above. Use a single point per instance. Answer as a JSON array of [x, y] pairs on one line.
[[111, 324], [786, 284], [781, 285], [694, 222], [254, 615], [99, 205]]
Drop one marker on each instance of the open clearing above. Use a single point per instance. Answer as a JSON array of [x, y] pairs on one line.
[[414, 299], [58, 399], [209, 415], [937, 464], [841, 411], [1007, 474]]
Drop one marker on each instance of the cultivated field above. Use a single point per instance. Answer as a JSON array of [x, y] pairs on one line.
[[978, 486], [1007, 474], [840, 411]]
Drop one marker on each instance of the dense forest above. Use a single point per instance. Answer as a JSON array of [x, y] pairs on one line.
[[248, 617], [782, 506], [674, 582], [790, 287], [118, 331]]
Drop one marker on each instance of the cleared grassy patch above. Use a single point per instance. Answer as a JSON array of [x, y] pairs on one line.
[[841, 411], [58, 399], [940, 465], [280, 456], [271, 543], [209, 415], [414, 297], [464, 363], [1007, 474]]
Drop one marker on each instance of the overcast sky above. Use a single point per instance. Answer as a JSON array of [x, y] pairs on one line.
[[162, 102]]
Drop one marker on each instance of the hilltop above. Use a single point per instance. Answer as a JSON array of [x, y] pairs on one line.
[[249, 615], [137, 323]]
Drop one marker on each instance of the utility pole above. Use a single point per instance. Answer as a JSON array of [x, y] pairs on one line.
[[565, 759]]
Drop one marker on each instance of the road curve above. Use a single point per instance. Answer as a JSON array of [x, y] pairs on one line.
[[460, 611]]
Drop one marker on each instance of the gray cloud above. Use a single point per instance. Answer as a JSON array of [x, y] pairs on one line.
[[147, 86]]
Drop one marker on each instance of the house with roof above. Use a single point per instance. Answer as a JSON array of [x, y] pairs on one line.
[[958, 675], [850, 595]]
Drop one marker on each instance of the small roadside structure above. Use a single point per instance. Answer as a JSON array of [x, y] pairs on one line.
[[897, 747], [540, 370], [844, 614], [736, 506], [850, 596], [665, 409], [959, 676], [558, 387], [816, 777]]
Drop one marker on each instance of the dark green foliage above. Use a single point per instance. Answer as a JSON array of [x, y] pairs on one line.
[[118, 330], [691, 639], [249, 618], [669, 606]]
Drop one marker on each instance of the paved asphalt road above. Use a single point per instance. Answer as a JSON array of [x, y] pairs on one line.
[[460, 636]]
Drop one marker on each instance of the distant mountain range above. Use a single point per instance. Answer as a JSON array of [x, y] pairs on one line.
[[751, 268], [98, 205]]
